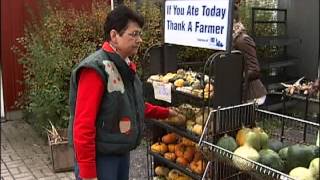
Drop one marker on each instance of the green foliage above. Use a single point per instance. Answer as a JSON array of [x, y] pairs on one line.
[[51, 46]]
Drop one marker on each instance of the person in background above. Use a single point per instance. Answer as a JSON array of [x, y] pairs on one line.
[[107, 104], [253, 88]]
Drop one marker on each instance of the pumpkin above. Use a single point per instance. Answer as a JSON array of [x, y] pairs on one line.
[[187, 142], [314, 168], [169, 138], [187, 152], [198, 166], [245, 152], [270, 158], [241, 135], [171, 147], [170, 156], [299, 156], [275, 145], [197, 156], [161, 171], [227, 142], [182, 161], [159, 147], [301, 173]]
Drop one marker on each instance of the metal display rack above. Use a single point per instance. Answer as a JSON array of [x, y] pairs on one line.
[[227, 91], [229, 120], [276, 66]]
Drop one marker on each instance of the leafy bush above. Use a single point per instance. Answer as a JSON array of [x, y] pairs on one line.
[[51, 46]]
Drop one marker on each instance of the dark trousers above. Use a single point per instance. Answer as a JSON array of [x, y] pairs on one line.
[[110, 167]]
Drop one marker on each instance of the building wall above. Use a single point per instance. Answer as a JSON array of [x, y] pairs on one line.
[[14, 16], [303, 22]]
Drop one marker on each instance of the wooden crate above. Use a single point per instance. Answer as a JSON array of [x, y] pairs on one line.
[[62, 156]]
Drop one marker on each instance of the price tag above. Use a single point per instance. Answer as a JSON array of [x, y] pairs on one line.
[[162, 91]]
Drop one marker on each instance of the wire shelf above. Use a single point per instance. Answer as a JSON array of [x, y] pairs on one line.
[[288, 130]]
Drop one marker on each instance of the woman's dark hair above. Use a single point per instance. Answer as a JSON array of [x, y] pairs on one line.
[[118, 20]]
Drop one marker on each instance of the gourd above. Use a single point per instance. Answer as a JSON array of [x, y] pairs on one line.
[[227, 142], [275, 145], [263, 136], [161, 171], [299, 156], [169, 138], [159, 147], [241, 135], [198, 166], [253, 139], [245, 152], [314, 168], [301, 173], [270, 158]]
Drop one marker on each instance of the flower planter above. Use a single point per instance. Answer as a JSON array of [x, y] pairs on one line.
[[62, 156]]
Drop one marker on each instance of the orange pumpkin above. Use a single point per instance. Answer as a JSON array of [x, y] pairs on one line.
[[170, 156], [198, 166], [188, 153], [187, 142], [197, 156], [182, 161], [184, 151], [241, 135], [169, 138], [171, 147]]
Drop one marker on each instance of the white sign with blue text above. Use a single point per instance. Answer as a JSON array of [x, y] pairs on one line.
[[197, 23]]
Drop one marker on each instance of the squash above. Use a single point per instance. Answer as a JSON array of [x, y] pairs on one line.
[[190, 124], [270, 158], [227, 142], [314, 168], [275, 145], [253, 139], [315, 150], [159, 147], [170, 156], [197, 156], [169, 138], [187, 142], [182, 161], [197, 129], [245, 152], [299, 156], [161, 171], [263, 136], [198, 166], [283, 153], [171, 147], [241, 135], [187, 152], [301, 173]]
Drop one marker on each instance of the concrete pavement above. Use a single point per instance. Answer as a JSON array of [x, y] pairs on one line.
[[25, 156]]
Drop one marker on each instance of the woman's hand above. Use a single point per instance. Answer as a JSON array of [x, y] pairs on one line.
[[172, 113]]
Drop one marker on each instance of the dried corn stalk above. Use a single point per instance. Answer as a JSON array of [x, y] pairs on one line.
[[54, 135]]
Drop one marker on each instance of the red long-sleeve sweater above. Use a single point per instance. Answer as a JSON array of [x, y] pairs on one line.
[[89, 95]]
